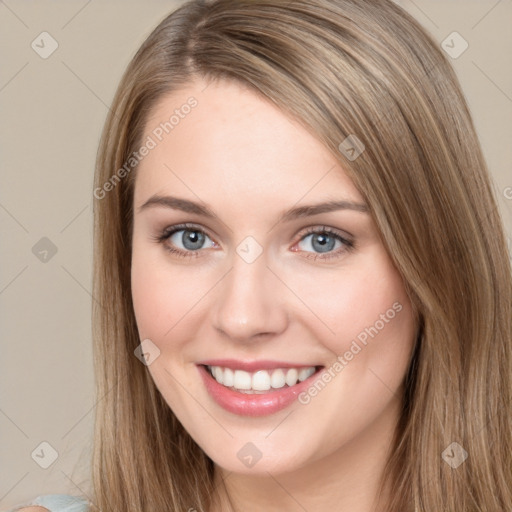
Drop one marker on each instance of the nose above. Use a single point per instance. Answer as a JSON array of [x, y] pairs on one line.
[[250, 302]]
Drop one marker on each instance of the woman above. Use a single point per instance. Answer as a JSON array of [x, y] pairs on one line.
[[303, 295]]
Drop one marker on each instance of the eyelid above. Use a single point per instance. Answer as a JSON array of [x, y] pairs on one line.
[[344, 237], [321, 228], [308, 230], [186, 226], [348, 242]]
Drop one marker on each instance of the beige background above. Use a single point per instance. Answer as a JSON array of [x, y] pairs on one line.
[[52, 112]]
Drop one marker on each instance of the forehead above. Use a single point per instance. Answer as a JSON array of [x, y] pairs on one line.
[[232, 143]]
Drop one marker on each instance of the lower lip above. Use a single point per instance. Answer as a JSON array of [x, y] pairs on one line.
[[260, 404]]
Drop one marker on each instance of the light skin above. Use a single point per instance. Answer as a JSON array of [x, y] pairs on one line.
[[248, 162]]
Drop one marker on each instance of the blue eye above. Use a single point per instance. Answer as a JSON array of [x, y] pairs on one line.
[[324, 240], [190, 239], [321, 242], [187, 240]]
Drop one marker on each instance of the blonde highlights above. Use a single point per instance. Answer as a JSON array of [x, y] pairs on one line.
[[340, 68]]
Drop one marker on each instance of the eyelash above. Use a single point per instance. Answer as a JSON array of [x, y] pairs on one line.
[[169, 231]]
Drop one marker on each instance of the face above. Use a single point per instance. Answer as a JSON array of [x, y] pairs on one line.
[[298, 311]]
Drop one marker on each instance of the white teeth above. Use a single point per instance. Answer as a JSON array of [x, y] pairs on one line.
[[218, 374], [291, 376], [261, 380], [278, 379], [228, 377], [304, 373], [242, 379]]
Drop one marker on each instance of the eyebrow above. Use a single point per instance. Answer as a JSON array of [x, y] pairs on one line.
[[188, 206]]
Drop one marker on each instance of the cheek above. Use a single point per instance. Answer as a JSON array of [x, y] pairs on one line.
[[363, 312], [152, 299], [160, 296], [367, 324], [169, 301], [163, 300]]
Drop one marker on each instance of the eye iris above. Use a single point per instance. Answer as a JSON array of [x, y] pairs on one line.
[[192, 239], [323, 243]]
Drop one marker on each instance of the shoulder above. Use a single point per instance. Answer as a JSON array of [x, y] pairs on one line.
[[54, 503]]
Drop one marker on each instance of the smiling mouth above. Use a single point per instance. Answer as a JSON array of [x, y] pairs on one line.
[[260, 381]]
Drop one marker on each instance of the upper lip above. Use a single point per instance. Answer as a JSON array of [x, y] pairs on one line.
[[251, 366]]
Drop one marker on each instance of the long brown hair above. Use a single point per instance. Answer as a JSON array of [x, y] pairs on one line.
[[341, 68]]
